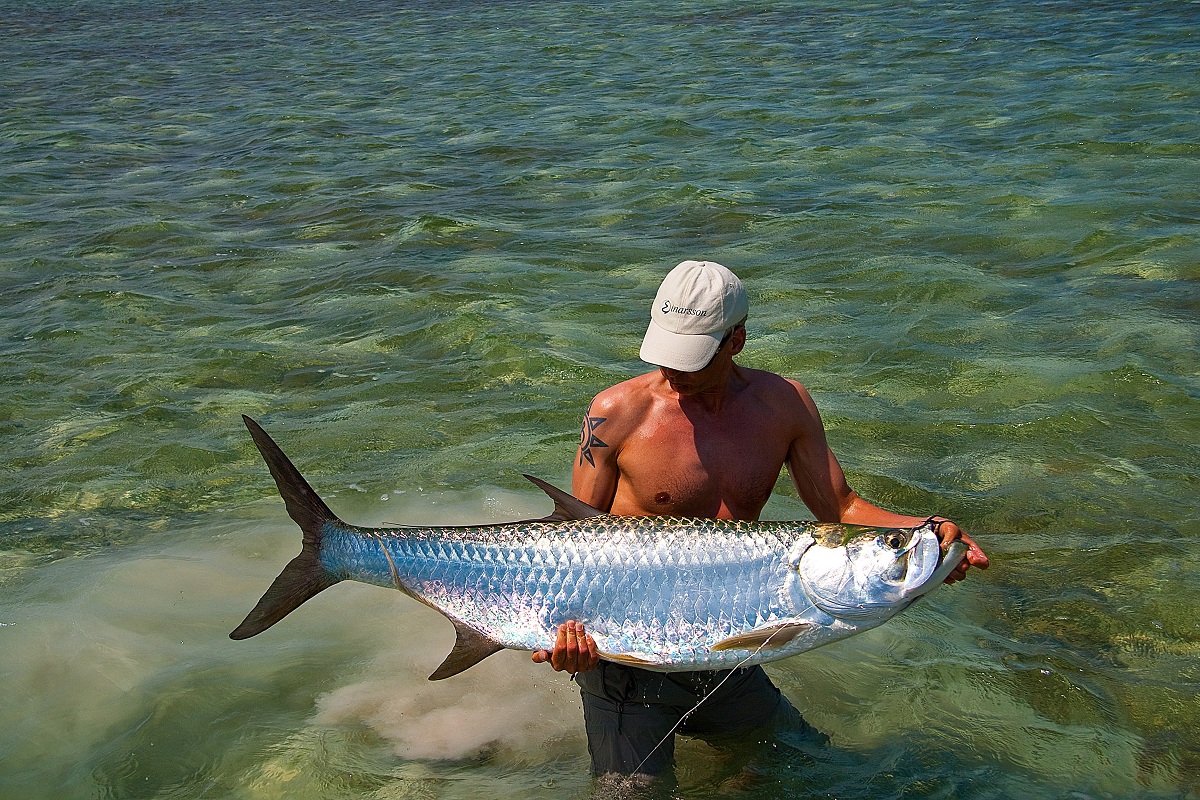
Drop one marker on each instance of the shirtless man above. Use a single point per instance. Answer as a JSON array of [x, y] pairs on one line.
[[700, 437]]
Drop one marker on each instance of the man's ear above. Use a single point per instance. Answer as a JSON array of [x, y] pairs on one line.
[[737, 340]]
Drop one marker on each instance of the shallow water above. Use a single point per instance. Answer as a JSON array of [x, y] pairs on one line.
[[414, 241]]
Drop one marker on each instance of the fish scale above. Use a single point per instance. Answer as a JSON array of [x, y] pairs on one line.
[[606, 573], [662, 593]]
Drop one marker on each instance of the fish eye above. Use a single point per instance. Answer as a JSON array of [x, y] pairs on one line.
[[894, 539]]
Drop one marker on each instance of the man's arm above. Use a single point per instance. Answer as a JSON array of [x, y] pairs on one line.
[[594, 475], [594, 481], [822, 486]]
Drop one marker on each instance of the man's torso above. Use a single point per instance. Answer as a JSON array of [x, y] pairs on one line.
[[679, 458]]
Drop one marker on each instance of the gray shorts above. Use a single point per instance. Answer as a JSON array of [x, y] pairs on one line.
[[628, 711]]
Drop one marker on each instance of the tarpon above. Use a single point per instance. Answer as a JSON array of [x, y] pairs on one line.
[[662, 593]]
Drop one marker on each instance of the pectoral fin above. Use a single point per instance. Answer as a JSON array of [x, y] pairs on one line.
[[763, 638], [470, 647]]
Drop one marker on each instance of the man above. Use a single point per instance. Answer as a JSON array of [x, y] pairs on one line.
[[699, 437]]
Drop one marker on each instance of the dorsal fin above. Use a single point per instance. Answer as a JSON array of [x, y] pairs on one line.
[[470, 647], [566, 507]]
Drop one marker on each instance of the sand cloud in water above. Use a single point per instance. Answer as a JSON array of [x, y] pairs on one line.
[[505, 702]]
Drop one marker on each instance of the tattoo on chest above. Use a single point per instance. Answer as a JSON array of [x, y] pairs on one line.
[[588, 438]]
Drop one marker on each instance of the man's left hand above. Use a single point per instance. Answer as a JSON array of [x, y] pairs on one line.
[[948, 532]]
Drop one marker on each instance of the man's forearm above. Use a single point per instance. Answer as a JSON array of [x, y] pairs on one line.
[[859, 512]]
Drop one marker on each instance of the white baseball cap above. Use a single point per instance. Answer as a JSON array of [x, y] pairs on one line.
[[697, 303]]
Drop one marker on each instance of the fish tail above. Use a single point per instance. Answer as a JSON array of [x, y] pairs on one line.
[[304, 576]]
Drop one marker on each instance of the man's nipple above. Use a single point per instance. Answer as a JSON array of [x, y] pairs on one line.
[[662, 498]]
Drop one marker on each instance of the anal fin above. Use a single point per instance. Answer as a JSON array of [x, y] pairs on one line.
[[763, 638], [470, 647], [628, 660]]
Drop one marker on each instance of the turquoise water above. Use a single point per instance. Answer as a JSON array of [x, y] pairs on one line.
[[415, 239]]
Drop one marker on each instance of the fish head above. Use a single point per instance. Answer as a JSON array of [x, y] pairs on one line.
[[854, 572]]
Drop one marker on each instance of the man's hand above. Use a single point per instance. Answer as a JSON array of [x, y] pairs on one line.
[[574, 650], [948, 532]]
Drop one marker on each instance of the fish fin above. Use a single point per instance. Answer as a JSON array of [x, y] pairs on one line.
[[303, 577], [303, 505], [765, 638], [628, 660], [470, 647], [566, 507]]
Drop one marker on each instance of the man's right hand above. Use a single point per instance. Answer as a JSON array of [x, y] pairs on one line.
[[574, 650]]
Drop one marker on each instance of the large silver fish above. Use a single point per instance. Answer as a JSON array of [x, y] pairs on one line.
[[661, 593]]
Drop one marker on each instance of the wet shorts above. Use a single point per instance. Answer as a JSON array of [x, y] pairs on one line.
[[628, 711]]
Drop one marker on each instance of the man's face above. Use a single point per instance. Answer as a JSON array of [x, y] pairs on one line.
[[703, 379]]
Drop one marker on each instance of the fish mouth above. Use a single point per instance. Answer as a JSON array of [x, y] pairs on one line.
[[949, 562], [923, 554]]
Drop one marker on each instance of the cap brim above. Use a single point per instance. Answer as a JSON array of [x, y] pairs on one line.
[[686, 352]]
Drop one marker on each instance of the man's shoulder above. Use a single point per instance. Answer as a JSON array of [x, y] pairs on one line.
[[772, 385], [781, 399], [628, 394]]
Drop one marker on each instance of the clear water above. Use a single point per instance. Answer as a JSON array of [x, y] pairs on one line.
[[415, 239]]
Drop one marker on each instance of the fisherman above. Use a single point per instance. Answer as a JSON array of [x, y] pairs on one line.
[[700, 437]]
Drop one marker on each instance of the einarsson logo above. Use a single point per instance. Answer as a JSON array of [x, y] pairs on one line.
[[667, 308]]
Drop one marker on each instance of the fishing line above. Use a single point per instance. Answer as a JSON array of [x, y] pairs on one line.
[[711, 692]]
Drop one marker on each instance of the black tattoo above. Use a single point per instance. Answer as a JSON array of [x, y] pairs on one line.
[[588, 438]]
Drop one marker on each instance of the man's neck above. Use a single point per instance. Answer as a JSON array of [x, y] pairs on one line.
[[712, 397]]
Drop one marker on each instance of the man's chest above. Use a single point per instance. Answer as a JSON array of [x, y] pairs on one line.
[[685, 467]]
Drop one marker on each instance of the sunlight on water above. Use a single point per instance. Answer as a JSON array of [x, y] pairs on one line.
[[415, 240]]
